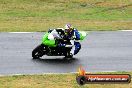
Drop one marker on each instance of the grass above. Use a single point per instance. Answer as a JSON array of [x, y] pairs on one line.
[[53, 81], [40, 15]]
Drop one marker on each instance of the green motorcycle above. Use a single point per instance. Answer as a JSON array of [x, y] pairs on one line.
[[50, 48]]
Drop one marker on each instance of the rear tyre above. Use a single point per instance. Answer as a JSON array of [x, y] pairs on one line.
[[37, 52]]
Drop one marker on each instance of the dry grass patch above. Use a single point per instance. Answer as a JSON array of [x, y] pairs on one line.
[[39, 15], [53, 81]]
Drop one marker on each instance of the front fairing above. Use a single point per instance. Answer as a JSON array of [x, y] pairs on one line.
[[46, 41]]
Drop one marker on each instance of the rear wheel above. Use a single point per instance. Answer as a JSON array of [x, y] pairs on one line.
[[38, 52]]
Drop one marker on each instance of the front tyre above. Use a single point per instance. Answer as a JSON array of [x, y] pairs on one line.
[[37, 52]]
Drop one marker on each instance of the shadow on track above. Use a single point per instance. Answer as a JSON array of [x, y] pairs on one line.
[[56, 60]]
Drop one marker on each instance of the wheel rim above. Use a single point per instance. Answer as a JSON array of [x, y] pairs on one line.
[[37, 54]]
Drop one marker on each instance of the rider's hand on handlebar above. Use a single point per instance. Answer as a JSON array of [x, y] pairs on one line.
[[73, 38]]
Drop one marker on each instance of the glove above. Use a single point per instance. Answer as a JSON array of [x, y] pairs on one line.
[[73, 37]]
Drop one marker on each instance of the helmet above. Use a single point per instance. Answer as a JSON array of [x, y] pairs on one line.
[[68, 28]]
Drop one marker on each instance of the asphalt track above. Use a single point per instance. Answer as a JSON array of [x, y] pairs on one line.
[[101, 51]]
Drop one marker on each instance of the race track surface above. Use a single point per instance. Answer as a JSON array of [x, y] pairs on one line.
[[101, 51]]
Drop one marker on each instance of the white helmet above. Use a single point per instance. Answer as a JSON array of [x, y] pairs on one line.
[[67, 26]]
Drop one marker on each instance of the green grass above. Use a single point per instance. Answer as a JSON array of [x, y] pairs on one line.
[[53, 81], [39, 15]]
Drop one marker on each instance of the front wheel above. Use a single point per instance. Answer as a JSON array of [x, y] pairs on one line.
[[37, 52]]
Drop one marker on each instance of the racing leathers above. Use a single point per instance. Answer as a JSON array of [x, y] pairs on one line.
[[74, 36]]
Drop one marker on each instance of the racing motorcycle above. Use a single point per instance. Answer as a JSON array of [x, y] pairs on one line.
[[44, 49]]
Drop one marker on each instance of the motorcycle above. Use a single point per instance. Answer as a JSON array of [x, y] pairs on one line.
[[44, 49]]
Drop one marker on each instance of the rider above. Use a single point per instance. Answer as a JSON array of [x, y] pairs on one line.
[[72, 34], [69, 33]]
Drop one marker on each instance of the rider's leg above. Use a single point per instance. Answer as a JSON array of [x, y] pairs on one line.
[[77, 47], [73, 48]]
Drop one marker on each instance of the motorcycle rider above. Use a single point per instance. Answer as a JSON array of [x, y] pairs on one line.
[[54, 40], [60, 34], [72, 34]]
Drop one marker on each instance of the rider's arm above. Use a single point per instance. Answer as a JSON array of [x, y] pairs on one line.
[[76, 34]]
